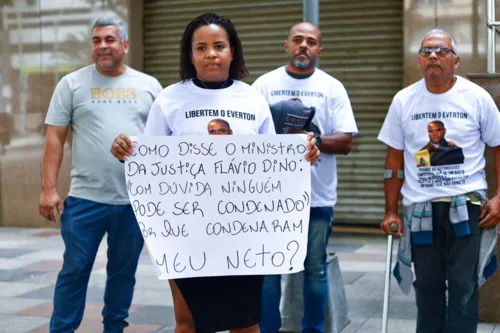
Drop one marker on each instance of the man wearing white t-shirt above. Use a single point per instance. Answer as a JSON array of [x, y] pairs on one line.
[[450, 228], [334, 126]]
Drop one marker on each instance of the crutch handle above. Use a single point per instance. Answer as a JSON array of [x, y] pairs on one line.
[[393, 227]]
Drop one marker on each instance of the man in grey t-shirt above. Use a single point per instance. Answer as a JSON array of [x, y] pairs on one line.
[[98, 102]]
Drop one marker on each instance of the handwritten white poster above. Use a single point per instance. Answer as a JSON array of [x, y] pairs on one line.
[[221, 205]]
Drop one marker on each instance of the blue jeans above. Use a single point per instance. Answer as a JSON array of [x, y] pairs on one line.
[[453, 260], [83, 225], [315, 279]]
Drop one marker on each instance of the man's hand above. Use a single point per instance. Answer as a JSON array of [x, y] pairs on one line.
[[490, 215], [390, 219], [314, 153], [50, 205], [122, 147]]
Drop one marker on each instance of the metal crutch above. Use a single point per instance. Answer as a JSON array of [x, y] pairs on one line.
[[387, 286]]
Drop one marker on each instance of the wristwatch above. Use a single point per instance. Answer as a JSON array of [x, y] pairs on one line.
[[318, 140]]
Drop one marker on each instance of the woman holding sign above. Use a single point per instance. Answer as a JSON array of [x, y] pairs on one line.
[[211, 100]]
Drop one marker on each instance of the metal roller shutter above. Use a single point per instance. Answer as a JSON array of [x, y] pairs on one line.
[[262, 25], [363, 48]]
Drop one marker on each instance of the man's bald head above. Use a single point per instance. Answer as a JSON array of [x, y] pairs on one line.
[[303, 47], [305, 26]]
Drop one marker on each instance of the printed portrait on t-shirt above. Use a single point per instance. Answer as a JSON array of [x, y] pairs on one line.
[[438, 151], [219, 127]]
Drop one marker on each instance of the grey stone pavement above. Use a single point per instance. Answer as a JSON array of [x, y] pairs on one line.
[[30, 260]]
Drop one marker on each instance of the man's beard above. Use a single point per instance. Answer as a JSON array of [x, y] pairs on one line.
[[302, 64]]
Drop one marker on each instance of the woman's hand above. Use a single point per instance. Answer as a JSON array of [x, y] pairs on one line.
[[122, 147], [314, 153]]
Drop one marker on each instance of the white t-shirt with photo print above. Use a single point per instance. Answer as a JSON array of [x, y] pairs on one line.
[[186, 109], [333, 115], [451, 163]]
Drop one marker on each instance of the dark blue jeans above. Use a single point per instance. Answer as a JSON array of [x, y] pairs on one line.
[[315, 279], [83, 225], [453, 260]]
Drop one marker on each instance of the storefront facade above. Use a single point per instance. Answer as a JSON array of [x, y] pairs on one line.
[[370, 46]]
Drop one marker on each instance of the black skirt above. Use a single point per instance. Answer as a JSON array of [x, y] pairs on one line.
[[223, 302]]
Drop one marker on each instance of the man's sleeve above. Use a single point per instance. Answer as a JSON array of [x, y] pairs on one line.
[[342, 117], [392, 132], [61, 105], [157, 88], [260, 86], [490, 122], [157, 124]]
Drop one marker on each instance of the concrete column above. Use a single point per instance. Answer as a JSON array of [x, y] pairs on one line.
[[311, 11], [135, 32]]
